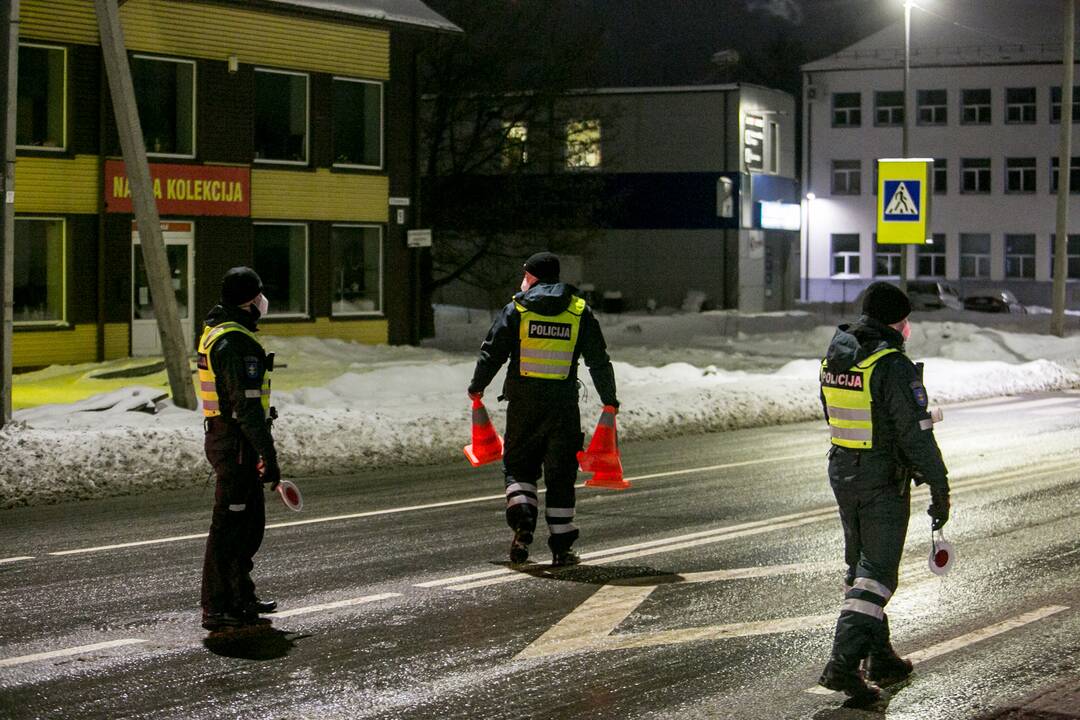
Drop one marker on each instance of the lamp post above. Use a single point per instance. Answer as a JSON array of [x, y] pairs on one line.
[[905, 249]]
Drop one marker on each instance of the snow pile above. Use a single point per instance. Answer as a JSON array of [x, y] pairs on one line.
[[347, 406]]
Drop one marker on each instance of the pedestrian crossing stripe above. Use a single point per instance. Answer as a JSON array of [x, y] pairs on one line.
[[904, 196]]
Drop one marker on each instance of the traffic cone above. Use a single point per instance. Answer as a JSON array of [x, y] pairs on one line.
[[602, 457], [486, 445]]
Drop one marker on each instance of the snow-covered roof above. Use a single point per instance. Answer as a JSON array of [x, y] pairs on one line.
[[960, 32], [407, 12]]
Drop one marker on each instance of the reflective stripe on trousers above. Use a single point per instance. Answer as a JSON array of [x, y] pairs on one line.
[[559, 520]]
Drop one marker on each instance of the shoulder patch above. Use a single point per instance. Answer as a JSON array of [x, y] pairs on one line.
[[251, 367], [919, 393]]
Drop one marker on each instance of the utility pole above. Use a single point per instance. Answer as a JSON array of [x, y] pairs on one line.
[[142, 196], [1061, 237], [9, 76], [905, 249]]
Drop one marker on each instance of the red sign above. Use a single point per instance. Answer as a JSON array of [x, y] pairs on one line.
[[184, 189]]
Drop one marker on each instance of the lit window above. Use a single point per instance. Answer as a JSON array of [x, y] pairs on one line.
[[931, 257], [1020, 175], [281, 259], [515, 150], [583, 144], [975, 107], [847, 109], [1055, 104], [1020, 105], [974, 255], [42, 97], [356, 264], [165, 95], [1020, 256], [845, 254], [281, 116], [357, 110], [975, 175], [846, 177], [889, 108], [39, 270], [933, 107]]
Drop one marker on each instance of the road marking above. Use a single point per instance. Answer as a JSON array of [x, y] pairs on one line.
[[118, 546], [334, 605], [970, 638], [68, 652], [16, 559], [1022, 405]]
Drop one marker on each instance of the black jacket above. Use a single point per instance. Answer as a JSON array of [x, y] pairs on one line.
[[239, 364], [502, 344], [899, 405]]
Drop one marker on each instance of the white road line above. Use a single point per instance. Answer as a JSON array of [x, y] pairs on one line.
[[16, 559], [726, 466], [68, 652], [334, 605], [590, 622], [1022, 405], [970, 638], [119, 546]]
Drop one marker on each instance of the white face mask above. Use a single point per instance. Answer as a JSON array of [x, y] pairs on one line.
[[262, 305]]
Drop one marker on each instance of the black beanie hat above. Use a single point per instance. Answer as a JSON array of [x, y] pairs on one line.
[[544, 266], [886, 303], [240, 285]]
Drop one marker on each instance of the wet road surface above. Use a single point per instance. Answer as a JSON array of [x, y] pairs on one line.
[[709, 590]]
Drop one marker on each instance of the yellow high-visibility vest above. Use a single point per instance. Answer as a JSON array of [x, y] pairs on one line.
[[207, 378], [548, 341], [848, 402]]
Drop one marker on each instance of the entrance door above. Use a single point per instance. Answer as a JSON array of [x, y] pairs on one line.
[[180, 249]]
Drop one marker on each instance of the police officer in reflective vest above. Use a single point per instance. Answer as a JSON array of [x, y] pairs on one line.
[[882, 437], [234, 387], [542, 333]]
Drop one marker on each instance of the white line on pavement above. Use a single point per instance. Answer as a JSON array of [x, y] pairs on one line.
[[68, 652], [334, 605], [1022, 405], [970, 638], [16, 559]]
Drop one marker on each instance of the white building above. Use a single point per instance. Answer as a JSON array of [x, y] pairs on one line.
[[985, 102]]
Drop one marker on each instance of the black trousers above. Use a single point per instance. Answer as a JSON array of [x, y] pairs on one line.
[[237, 524], [542, 439], [874, 512]]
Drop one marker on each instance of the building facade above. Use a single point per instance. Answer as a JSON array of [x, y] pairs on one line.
[[675, 177], [985, 105], [280, 135]]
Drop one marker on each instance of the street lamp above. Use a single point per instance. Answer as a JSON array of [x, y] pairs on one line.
[[904, 127]]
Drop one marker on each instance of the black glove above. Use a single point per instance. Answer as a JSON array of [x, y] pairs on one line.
[[939, 509], [271, 473]]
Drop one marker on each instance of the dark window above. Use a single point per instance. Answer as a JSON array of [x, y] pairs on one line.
[[975, 107], [846, 177], [974, 255], [357, 107], [281, 116], [889, 108], [845, 253], [975, 175], [886, 259], [41, 98], [39, 270], [1020, 256], [847, 109], [165, 95], [1055, 104], [931, 257], [1074, 175], [356, 268], [941, 176], [932, 107], [1020, 175], [1020, 105], [281, 259], [1072, 255]]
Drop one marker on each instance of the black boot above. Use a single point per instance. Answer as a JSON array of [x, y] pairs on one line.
[[885, 667], [519, 547], [566, 557], [844, 677]]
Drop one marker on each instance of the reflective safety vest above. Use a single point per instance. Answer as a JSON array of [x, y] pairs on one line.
[[548, 341], [207, 379], [848, 402]]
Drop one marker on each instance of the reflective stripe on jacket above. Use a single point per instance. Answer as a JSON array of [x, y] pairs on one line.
[[848, 402], [548, 341], [207, 378]]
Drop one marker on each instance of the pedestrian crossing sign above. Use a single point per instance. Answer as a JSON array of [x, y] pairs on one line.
[[903, 201]]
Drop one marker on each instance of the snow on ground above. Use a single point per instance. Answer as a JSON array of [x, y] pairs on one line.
[[345, 406]]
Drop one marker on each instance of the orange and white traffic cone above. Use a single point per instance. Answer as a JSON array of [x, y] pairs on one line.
[[602, 457], [486, 445]]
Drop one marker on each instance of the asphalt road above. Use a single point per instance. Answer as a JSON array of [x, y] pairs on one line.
[[709, 590]]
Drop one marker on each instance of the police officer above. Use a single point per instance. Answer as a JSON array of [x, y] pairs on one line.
[[235, 392], [882, 437], [542, 333]]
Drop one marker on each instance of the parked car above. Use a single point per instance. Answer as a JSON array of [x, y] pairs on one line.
[[928, 295], [994, 301]]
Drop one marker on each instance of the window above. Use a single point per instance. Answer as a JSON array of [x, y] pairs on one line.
[[515, 152], [847, 109], [886, 259], [42, 99], [975, 107], [889, 108], [1072, 256], [974, 255], [281, 260], [356, 264], [1020, 256], [932, 107], [165, 95], [1020, 105], [1074, 175], [281, 117], [975, 175], [1020, 175], [941, 176], [583, 144], [357, 110], [846, 177], [931, 257], [845, 254], [39, 270], [1055, 104], [874, 184]]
